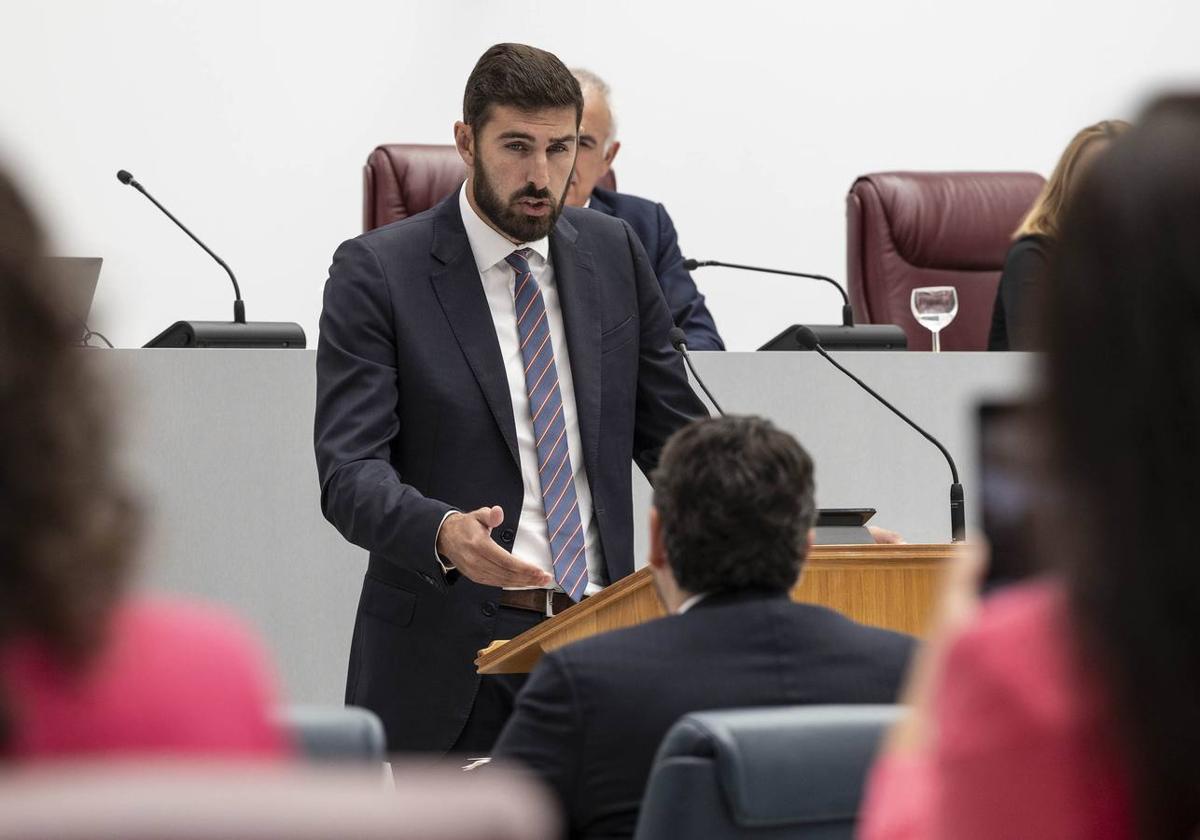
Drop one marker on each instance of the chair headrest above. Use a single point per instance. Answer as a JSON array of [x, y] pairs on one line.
[[960, 221], [785, 765]]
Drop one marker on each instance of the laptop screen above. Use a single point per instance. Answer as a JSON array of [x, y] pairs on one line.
[[77, 279]]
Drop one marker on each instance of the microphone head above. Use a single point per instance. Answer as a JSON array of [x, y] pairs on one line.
[[806, 338], [124, 177], [690, 264], [678, 339]]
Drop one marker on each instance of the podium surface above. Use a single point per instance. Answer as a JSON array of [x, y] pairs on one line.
[[891, 586]]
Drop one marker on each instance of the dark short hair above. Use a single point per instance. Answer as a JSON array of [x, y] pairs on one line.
[[522, 77], [735, 502]]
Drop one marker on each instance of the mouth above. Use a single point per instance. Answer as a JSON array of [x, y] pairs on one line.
[[534, 206]]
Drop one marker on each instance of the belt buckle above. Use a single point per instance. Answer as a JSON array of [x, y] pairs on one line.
[[549, 603]]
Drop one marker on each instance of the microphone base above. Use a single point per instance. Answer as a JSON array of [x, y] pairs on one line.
[[832, 337], [279, 335]]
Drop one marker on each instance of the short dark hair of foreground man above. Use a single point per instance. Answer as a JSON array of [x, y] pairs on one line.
[[733, 505]]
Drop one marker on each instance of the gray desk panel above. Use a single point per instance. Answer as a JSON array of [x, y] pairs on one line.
[[219, 443]]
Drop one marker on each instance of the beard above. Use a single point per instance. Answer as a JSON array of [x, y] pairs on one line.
[[512, 223]]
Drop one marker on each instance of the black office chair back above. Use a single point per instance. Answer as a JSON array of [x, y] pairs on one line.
[[339, 734], [790, 771]]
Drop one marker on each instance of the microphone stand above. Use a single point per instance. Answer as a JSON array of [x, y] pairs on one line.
[[847, 310], [958, 527]]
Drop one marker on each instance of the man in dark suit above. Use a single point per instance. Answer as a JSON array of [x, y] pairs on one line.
[[598, 146], [486, 373], [733, 504]]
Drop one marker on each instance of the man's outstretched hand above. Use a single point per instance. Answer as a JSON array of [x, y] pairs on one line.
[[465, 541]]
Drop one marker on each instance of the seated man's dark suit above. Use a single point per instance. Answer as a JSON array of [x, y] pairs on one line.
[[591, 717], [657, 233], [414, 419]]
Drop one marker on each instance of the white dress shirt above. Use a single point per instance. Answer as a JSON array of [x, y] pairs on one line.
[[532, 543], [690, 602]]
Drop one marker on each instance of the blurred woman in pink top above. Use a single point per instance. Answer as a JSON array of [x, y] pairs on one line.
[[1070, 707], [84, 669]]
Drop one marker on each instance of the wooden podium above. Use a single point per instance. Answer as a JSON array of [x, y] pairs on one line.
[[890, 586]]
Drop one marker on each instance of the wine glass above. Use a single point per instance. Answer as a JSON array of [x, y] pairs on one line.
[[934, 307]]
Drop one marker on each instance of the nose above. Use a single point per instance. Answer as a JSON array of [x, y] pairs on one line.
[[539, 171]]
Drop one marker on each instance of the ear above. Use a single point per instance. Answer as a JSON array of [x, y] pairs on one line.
[[464, 141], [658, 552], [611, 155]]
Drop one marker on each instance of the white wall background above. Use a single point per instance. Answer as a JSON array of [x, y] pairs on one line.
[[251, 120]]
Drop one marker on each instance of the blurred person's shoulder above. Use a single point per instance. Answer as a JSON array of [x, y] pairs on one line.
[[171, 676], [1024, 612], [221, 651], [181, 617], [1019, 662]]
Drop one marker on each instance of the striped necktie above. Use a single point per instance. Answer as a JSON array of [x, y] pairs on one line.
[[555, 474]]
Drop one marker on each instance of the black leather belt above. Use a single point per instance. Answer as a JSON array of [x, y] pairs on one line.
[[544, 601]]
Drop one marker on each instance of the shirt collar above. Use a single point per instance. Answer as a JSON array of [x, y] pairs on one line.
[[690, 602], [488, 246]]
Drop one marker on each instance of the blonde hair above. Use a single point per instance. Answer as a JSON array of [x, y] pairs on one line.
[[1044, 216]]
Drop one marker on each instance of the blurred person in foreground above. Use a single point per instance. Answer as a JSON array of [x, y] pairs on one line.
[[86, 670], [729, 532], [598, 147], [1069, 707], [1025, 264]]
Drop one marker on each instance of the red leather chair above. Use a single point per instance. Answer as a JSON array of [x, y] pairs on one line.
[[910, 229], [403, 179]]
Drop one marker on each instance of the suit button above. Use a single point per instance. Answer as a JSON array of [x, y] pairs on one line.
[[489, 608], [506, 536]]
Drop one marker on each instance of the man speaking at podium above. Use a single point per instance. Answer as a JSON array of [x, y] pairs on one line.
[[486, 373]]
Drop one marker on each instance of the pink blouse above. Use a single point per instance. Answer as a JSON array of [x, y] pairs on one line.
[[174, 678], [1023, 747]]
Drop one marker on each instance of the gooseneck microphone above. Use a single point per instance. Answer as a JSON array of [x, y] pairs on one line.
[[238, 333], [847, 311], [679, 342], [239, 308], [958, 526]]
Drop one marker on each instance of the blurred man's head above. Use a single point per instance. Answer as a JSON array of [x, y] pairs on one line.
[[598, 144], [518, 137], [733, 505]]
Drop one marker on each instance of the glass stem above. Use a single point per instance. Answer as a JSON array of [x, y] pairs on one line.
[[937, 343]]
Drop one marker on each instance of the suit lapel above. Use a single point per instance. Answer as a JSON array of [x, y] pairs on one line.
[[460, 293], [599, 204], [579, 299]]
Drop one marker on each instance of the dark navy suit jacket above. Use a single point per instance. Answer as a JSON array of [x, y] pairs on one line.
[[657, 233], [413, 419], [593, 713]]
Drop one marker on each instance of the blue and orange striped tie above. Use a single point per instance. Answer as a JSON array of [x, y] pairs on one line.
[[557, 478]]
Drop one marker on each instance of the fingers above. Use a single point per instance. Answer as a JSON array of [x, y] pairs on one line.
[[483, 561], [884, 536], [510, 571], [489, 517], [968, 564]]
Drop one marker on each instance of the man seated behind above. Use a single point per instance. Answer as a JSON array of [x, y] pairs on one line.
[[729, 530], [598, 146]]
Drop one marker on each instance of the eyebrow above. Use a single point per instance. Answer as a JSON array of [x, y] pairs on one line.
[[520, 135]]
